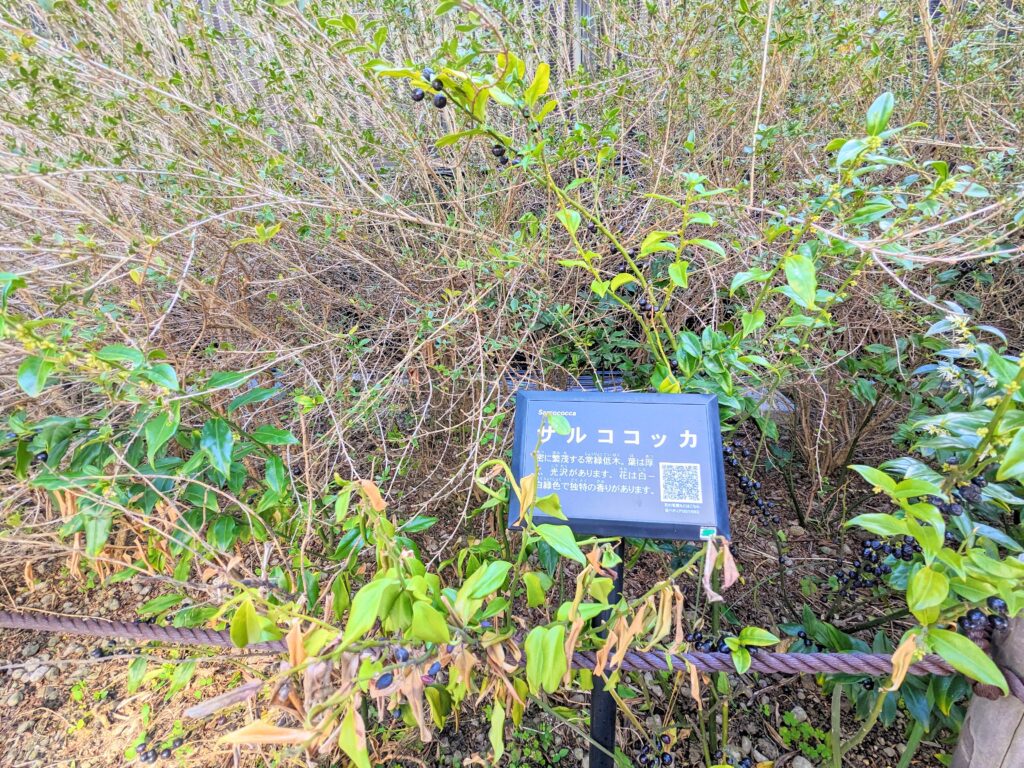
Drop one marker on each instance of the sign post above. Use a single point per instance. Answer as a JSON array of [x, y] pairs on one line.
[[637, 465], [603, 710]]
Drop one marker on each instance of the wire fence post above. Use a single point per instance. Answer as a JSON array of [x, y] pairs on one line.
[[603, 710]]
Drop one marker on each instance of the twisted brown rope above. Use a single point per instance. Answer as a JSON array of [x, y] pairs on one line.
[[866, 664]]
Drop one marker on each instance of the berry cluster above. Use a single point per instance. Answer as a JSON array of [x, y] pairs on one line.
[[869, 569], [976, 623], [808, 642], [746, 762], [402, 656], [709, 645], [498, 150], [749, 486], [439, 100], [148, 754], [649, 755]]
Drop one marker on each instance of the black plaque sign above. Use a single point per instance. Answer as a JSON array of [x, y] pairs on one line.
[[632, 464]]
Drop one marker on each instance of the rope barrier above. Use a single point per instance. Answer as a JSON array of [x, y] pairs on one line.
[[854, 663]]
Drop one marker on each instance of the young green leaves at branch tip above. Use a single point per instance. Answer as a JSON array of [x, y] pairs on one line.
[[749, 637]]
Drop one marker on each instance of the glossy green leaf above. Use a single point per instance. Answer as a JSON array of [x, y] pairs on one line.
[[802, 278], [371, 600], [880, 523], [32, 375], [496, 733], [539, 85], [163, 375], [493, 576], [160, 428], [879, 113], [757, 637], [428, 624], [875, 477], [561, 539], [119, 353], [928, 588], [551, 506], [352, 741], [255, 395], [268, 435], [678, 272], [570, 219], [1012, 465], [965, 657], [537, 584], [559, 423], [216, 441]]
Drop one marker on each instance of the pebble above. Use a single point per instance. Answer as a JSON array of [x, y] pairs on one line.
[[801, 762], [30, 649], [37, 674], [24, 725], [51, 693], [14, 699], [113, 604], [800, 715], [746, 746], [889, 752], [73, 649], [768, 749]]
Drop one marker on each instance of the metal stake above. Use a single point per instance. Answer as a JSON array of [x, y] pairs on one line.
[[603, 711]]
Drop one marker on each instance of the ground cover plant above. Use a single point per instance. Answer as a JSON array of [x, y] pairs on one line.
[[272, 272]]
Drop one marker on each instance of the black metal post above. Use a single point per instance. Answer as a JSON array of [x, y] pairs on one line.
[[603, 711]]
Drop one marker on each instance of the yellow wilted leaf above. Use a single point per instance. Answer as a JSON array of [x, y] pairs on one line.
[[265, 733], [296, 650], [663, 625], [527, 492], [695, 686], [902, 658], [372, 494]]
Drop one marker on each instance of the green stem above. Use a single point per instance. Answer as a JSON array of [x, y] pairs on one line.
[[913, 742], [836, 734], [866, 726]]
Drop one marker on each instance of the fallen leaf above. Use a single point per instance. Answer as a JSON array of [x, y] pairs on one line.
[[265, 733]]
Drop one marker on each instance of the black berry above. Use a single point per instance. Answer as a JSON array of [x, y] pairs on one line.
[[385, 680], [665, 738], [418, 94], [497, 150], [440, 100], [402, 655], [997, 604], [165, 754], [666, 758], [177, 742], [998, 623], [437, 84]]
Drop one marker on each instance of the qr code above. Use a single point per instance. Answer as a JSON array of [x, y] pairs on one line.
[[680, 482]]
